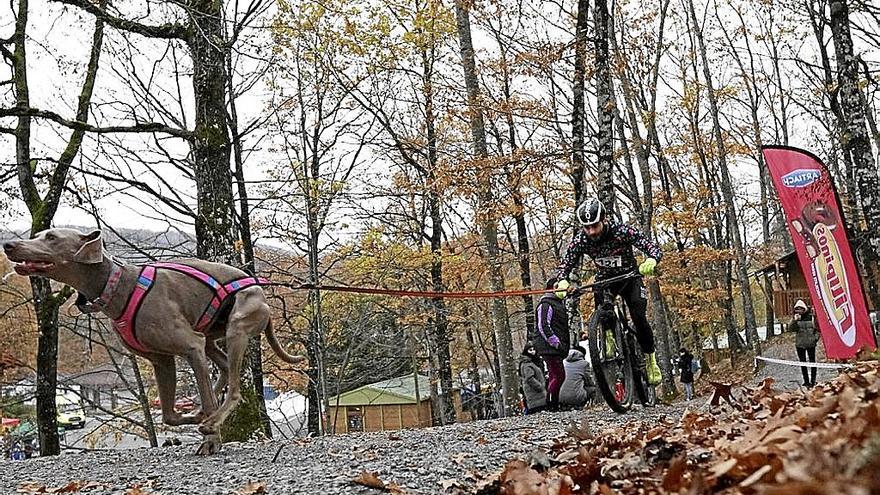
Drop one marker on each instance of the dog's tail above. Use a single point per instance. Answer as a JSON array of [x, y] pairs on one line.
[[273, 343]]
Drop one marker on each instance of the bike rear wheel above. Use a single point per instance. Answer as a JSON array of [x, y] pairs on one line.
[[613, 372]]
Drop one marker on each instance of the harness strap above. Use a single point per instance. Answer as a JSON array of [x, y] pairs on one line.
[[124, 325], [197, 274], [221, 295]]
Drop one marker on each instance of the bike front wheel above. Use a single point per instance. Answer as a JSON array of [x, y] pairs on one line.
[[646, 392], [613, 373]]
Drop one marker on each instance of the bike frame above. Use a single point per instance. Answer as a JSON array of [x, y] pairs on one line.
[[611, 306]]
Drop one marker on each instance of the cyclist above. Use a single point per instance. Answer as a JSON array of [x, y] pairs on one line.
[[609, 244]]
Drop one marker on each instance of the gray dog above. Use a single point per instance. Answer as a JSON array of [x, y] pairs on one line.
[[162, 310]]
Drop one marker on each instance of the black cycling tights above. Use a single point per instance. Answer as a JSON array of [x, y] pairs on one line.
[[633, 292]]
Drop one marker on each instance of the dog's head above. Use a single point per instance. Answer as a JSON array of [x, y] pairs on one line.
[[53, 251]]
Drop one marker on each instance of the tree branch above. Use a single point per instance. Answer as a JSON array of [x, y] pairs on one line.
[[84, 126], [169, 30]]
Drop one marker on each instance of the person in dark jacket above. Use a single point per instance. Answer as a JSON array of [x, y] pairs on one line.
[[577, 389], [804, 324], [686, 365], [551, 340], [531, 375]]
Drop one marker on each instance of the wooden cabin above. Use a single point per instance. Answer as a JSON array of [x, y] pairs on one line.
[[789, 284], [402, 402]]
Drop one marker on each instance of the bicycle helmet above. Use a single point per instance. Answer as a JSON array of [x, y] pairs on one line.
[[590, 212]]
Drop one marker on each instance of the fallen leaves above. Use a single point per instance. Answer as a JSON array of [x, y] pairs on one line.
[[70, 487], [826, 440], [371, 480], [518, 478], [252, 488]]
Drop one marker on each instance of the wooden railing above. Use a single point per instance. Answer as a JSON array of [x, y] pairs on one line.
[[783, 301]]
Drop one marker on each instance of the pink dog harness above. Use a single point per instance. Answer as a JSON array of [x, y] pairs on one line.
[[124, 325]]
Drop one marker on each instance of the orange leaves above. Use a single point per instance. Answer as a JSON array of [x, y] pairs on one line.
[[252, 488], [75, 486], [371, 480], [518, 478], [770, 443]]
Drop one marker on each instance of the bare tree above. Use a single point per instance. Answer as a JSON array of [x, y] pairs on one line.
[[487, 213], [726, 186], [43, 207], [855, 138]]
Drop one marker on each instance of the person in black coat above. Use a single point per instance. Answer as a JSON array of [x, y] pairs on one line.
[[686, 365], [804, 323], [551, 340]]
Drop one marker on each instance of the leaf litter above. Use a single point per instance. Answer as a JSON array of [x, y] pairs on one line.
[[761, 442]]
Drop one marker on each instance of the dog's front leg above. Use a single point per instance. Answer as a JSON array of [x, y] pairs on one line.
[[166, 382]]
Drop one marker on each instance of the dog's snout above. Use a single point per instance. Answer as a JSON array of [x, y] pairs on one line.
[[8, 245]]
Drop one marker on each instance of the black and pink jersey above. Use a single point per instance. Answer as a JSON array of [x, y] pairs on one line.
[[612, 252]]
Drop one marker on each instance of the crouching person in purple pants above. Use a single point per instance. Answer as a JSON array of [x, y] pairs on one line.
[[552, 341]]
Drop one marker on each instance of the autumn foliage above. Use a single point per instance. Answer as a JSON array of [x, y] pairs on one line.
[[825, 440]]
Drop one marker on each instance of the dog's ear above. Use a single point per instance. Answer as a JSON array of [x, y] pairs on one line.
[[92, 250]]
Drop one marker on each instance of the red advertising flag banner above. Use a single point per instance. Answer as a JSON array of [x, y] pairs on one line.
[[815, 221]]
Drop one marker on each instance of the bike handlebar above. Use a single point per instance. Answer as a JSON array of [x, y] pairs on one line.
[[603, 283]]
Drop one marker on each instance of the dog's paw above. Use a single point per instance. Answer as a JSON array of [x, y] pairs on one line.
[[210, 446]]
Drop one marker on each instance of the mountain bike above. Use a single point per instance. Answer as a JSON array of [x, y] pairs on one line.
[[618, 362]]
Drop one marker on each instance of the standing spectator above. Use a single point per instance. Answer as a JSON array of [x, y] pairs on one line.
[[688, 367], [551, 340], [531, 375], [577, 389], [804, 324]]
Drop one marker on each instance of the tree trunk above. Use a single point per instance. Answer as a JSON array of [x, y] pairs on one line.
[[254, 358], [315, 346], [605, 106], [855, 138], [578, 164], [47, 365], [446, 405], [214, 223], [477, 407], [727, 189], [42, 211], [143, 401], [509, 381]]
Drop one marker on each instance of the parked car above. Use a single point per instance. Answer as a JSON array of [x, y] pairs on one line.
[[71, 415]]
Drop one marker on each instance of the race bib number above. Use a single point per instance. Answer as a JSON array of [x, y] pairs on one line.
[[610, 262]]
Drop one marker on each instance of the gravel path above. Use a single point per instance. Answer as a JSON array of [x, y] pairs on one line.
[[419, 461], [789, 377]]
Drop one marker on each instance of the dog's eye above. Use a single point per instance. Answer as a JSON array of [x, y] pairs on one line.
[[50, 237]]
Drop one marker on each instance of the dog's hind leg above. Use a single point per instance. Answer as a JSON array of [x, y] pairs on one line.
[[198, 360], [218, 357], [249, 316], [165, 371]]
